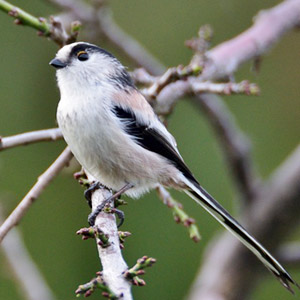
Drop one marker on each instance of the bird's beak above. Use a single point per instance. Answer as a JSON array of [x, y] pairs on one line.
[[57, 64]]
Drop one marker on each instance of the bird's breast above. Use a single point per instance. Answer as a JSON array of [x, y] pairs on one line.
[[106, 151]]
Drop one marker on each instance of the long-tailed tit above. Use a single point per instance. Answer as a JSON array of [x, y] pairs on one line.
[[116, 137]]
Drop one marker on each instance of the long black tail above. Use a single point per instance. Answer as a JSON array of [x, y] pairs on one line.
[[216, 210]]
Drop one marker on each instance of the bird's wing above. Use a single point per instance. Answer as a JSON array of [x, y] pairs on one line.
[[151, 139]]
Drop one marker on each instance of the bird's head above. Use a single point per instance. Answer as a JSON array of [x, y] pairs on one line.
[[89, 65]]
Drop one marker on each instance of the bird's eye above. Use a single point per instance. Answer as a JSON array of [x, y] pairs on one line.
[[82, 56]]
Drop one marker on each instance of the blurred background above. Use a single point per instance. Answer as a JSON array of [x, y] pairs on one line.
[[28, 101]]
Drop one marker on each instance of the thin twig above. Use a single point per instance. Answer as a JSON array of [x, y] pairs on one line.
[[43, 181], [51, 28], [26, 138], [180, 216], [228, 88], [28, 276], [197, 87], [24, 18]]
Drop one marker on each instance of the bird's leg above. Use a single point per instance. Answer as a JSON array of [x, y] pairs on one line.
[[92, 216]]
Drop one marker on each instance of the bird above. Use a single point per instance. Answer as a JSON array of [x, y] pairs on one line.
[[116, 136]]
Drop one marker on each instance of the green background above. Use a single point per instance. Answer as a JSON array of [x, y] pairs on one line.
[[28, 101]]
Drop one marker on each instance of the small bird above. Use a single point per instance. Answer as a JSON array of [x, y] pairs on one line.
[[117, 138]]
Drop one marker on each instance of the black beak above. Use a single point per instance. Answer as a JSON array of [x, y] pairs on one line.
[[57, 64]]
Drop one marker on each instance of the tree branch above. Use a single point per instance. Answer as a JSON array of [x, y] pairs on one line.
[[111, 257], [43, 181], [51, 28], [223, 61], [26, 138], [180, 216], [269, 26], [24, 18]]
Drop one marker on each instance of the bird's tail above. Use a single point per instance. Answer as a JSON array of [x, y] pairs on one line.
[[203, 198]]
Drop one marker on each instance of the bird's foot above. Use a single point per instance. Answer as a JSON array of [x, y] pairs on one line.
[[93, 215], [89, 191], [120, 215]]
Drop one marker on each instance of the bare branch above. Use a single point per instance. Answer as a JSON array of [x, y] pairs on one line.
[[270, 25], [33, 284], [270, 218], [224, 59], [43, 181], [228, 88], [30, 137], [197, 87], [111, 257]]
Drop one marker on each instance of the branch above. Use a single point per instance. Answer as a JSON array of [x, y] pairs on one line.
[[224, 59], [43, 181], [51, 28], [180, 216], [30, 137], [196, 87], [111, 257], [270, 25], [228, 88], [271, 217], [33, 284], [24, 18]]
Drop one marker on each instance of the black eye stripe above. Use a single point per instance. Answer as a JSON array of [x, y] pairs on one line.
[[89, 48]]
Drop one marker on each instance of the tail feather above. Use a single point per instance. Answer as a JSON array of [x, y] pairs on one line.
[[216, 210]]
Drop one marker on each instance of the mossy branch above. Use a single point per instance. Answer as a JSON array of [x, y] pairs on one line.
[[51, 28], [24, 18]]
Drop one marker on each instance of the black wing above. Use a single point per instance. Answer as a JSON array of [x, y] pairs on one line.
[[151, 140]]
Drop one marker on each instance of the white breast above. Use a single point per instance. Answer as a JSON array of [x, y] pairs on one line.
[[104, 150]]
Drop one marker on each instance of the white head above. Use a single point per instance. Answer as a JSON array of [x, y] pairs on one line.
[[87, 65]]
